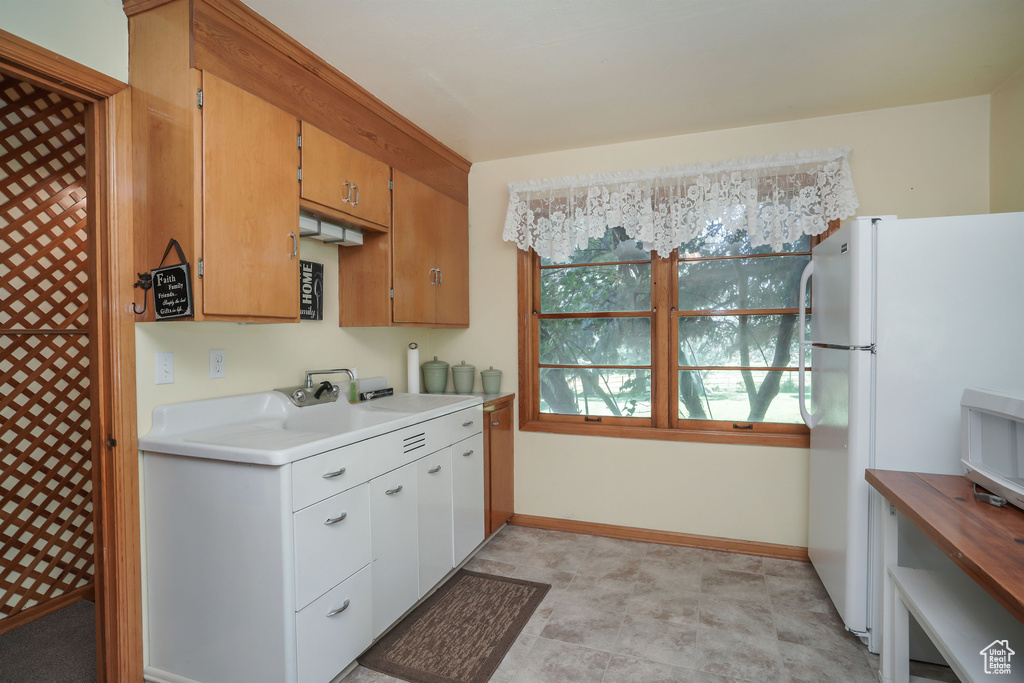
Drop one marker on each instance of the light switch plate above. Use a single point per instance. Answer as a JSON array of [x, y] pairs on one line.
[[165, 367], [218, 358]]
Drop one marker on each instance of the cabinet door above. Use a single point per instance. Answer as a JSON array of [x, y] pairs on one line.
[[342, 178], [414, 271], [452, 259], [468, 495], [434, 494], [499, 455], [393, 539], [250, 205]]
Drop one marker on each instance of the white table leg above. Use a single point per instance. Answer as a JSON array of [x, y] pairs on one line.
[[901, 640], [890, 558]]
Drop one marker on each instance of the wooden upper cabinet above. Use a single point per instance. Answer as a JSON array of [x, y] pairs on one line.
[[430, 260], [338, 177], [250, 205], [451, 254], [414, 268], [215, 168]]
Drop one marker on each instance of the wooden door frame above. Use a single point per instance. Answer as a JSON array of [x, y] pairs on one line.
[[116, 525]]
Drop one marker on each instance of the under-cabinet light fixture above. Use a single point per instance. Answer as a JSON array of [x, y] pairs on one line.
[[329, 233]]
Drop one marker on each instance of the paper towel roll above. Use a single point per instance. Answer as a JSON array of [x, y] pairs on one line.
[[414, 369]]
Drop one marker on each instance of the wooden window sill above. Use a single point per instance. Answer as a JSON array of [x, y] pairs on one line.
[[765, 438]]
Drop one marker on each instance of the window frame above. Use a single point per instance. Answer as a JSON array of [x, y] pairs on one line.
[[664, 423]]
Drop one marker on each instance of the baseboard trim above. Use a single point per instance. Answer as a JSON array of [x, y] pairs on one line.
[[785, 552]]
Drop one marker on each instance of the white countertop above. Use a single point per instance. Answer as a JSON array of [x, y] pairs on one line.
[[267, 429]]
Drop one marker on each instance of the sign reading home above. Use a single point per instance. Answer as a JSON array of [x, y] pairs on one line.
[[172, 292], [311, 290]]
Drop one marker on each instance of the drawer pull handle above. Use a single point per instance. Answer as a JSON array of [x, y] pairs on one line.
[[331, 475], [434, 470], [467, 424], [496, 423], [335, 520], [393, 491], [467, 453], [335, 612]]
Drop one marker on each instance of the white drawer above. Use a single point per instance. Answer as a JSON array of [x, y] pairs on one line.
[[466, 423], [391, 451], [324, 475], [328, 549], [326, 644]]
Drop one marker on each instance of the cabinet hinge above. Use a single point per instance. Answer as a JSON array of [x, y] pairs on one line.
[[300, 174], [199, 98], [392, 294], [391, 184], [199, 267], [300, 141]]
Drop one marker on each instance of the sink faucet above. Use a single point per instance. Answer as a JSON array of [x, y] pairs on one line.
[[309, 375]]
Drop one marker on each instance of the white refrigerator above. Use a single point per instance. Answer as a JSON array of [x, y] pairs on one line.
[[905, 315]]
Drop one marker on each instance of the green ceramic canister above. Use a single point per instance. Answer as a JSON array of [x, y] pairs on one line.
[[462, 376], [435, 376], [491, 380]]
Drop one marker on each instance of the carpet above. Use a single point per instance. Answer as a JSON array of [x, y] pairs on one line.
[[459, 634], [57, 648]]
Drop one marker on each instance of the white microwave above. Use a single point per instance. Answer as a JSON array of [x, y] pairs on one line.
[[992, 442]]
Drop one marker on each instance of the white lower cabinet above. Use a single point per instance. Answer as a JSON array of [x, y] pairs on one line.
[[393, 537], [468, 495], [285, 574], [332, 541], [333, 630], [435, 517]]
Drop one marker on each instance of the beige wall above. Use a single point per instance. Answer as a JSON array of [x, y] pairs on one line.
[[1007, 146], [926, 160], [91, 32]]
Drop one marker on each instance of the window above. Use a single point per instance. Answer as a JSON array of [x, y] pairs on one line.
[[693, 340], [701, 345]]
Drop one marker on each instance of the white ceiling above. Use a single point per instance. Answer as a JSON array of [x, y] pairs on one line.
[[502, 78]]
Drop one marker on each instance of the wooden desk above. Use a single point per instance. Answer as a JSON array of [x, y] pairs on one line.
[[956, 612]]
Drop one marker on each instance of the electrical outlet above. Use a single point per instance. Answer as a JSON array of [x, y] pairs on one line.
[[217, 363], [165, 367]]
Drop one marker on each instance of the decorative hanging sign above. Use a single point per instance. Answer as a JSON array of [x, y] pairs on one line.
[[311, 290], [172, 287]]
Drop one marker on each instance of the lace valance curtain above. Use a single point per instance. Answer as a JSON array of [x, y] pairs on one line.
[[776, 199]]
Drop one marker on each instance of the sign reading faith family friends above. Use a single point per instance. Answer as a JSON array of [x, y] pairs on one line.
[[311, 290], [172, 287]]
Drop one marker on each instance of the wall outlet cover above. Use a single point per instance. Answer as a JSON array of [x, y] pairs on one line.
[[165, 367], [218, 358]]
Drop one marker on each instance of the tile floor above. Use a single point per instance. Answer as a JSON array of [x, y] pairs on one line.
[[623, 611]]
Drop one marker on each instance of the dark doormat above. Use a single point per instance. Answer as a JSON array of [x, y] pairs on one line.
[[459, 634]]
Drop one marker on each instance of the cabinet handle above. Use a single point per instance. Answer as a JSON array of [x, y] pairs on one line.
[[356, 202], [393, 491], [348, 196], [467, 454], [434, 470], [332, 475], [295, 244], [334, 612], [433, 276], [496, 423], [335, 520], [440, 277], [468, 424]]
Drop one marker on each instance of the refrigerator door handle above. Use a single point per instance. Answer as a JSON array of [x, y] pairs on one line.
[[809, 419]]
